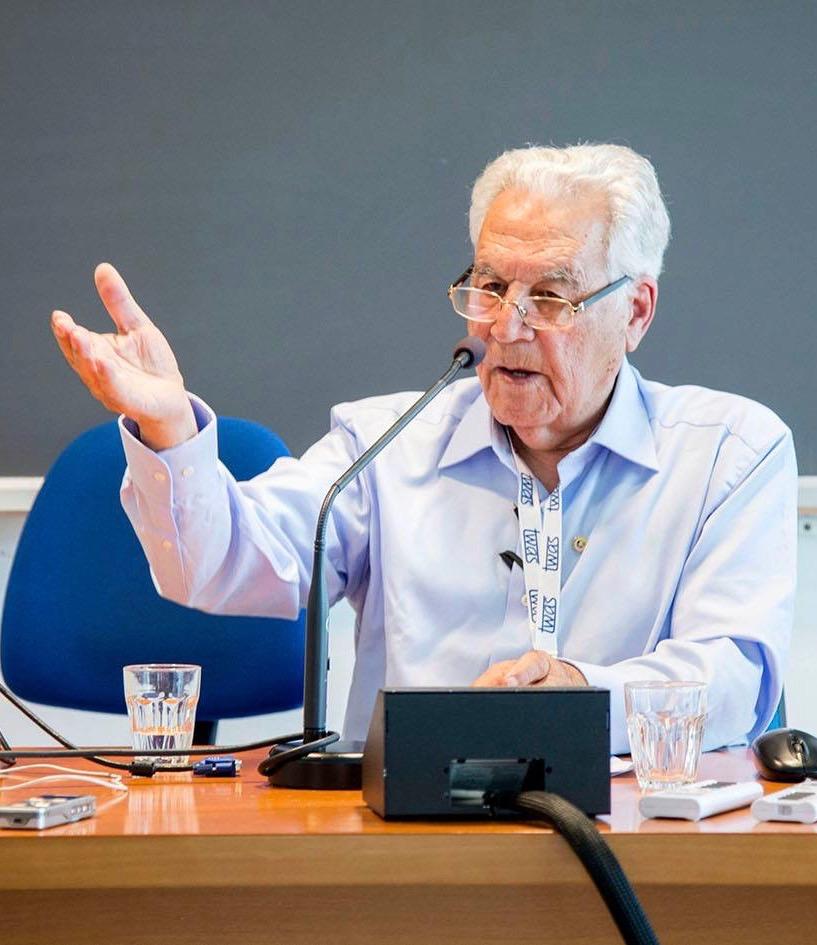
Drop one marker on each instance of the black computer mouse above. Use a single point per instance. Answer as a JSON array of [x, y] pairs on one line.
[[785, 754]]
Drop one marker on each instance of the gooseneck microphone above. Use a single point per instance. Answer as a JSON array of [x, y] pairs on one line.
[[338, 767], [468, 352]]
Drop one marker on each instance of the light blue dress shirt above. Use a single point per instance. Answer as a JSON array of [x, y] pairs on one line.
[[686, 497]]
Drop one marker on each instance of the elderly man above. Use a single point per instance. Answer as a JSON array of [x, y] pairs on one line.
[[559, 521]]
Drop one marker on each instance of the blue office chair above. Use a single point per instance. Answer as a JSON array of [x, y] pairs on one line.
[[80, 603]]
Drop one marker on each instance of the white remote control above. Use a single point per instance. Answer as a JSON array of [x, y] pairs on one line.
[[797, 802], [700, 799]]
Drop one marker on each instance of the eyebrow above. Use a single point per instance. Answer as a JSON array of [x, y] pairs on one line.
[[559, 274]]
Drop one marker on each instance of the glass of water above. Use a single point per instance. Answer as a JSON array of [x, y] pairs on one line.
[[162, 700], [665, 723]]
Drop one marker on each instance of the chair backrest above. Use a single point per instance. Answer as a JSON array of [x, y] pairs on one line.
[[80, 603]]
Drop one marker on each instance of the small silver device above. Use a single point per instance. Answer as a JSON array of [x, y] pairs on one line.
[[47, 810], [700, 799], [797, 803]]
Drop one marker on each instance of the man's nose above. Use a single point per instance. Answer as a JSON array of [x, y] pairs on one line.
[[510, 322]]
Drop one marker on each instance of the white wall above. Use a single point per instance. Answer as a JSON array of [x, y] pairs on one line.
[[91, 728], [801, 692]]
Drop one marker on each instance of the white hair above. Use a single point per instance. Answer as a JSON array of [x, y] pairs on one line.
[[639, 224]]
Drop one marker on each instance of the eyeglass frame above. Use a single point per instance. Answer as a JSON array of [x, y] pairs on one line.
[[575, 307]]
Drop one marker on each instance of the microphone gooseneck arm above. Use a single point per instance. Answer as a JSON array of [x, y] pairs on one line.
[[469, 352]]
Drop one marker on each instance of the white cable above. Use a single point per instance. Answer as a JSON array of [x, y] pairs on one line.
[[71, 775], [12, 772], [112, 785]]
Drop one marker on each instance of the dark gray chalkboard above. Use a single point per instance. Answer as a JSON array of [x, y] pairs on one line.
[[285, 187]]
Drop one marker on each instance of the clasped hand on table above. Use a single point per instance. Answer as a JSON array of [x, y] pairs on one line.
[[534, 668]]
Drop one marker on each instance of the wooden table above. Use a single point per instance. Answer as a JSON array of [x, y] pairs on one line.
[[181, 860]]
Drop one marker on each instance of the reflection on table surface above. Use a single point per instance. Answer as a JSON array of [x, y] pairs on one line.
[[182, 804]]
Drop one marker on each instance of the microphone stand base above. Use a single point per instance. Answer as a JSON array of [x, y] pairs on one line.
[[334, 768]]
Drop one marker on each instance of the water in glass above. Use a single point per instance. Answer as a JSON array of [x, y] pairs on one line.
[[666, 748], [161, 700]]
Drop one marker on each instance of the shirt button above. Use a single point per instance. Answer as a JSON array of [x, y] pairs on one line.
[[187, 471], [523, 600], [167, 545], [159, 476], [579, 543]]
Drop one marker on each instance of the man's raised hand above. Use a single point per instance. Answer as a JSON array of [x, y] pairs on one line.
[[132, 371]]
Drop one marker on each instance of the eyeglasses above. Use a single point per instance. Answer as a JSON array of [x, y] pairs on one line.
[[539, 311]]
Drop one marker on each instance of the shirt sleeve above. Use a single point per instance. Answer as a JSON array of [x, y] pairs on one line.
[[244, 548], [733, 609]]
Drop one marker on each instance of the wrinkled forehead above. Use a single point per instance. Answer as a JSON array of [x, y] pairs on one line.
[[529, 234]]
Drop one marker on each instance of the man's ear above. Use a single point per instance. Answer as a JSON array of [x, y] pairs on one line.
[[642, 310]]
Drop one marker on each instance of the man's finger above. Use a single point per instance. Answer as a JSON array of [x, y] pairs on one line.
[[528, 669], [84, 358], [89, 363], [117, 299], [62, 324], [494, 675], [80, 339]]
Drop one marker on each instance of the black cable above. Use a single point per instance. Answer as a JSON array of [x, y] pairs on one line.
[[52, 733], [32, 716], [143, 768], [273, 763], [91, 751], [4, 762], [596, 856]]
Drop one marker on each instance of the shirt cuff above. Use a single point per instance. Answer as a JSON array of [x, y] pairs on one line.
[[165, 475], [608, 677]]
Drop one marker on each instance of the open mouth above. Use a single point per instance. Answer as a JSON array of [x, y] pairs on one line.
[[516, 373]]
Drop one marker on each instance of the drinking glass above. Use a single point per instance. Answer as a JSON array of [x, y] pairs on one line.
[[665, 723], [162, 700]]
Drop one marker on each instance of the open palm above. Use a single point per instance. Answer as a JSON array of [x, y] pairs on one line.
[[132, 371]]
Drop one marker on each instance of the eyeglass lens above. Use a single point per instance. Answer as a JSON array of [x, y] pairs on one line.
[[481, 306]]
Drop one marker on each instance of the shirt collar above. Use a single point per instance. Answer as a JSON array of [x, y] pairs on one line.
[[624, 429], [476, 431]]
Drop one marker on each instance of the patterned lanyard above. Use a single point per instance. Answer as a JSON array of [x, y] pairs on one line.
[[540, 535]]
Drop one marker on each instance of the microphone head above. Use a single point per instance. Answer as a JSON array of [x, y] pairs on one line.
[[469, 351]]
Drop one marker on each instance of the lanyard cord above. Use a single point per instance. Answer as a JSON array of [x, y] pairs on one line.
[[540, 539]]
